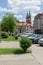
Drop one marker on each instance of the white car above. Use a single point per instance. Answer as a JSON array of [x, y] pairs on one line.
[[24, 35], [32, 36], [40, 42]]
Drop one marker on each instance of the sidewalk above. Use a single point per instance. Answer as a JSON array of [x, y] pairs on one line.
[[35, 58], [11, 44], [37, 52], [24, 59]]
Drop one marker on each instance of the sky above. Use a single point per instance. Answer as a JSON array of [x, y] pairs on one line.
[[20, 8]]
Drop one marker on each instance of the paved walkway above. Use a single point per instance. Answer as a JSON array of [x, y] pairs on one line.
[[25, 59], [37, 52], [35, 58], [7, 44]]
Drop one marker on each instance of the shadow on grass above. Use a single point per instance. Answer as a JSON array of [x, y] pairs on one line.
[[13, 51], [20, 51]]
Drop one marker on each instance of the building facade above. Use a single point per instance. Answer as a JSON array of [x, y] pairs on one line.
[[25, 26], [38, 23]]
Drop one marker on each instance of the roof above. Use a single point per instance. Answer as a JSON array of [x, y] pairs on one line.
[[38, 15], [24, 24]]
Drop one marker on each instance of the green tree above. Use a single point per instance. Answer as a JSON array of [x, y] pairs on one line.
[[25, 43], [20, 29], [8, 23]]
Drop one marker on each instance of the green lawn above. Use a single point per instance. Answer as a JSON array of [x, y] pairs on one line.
[[12, 51], [10, 38], [8, 50]]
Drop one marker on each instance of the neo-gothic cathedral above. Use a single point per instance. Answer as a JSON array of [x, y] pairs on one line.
[[25, 26], [28, 18]]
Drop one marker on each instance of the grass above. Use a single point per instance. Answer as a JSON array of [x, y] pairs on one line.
[[10, 38], [12, 51]]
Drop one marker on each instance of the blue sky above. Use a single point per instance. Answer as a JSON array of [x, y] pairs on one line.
[[20, 7]]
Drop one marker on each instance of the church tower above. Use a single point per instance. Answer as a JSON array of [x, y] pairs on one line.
[[28, 18]]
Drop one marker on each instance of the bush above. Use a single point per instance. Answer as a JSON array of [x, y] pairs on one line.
[[25, 43], [18, 51], [16, 37], [4, 35]]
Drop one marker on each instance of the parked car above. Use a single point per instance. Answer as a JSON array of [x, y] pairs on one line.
[[35, 40], [35, 37], [29, 34], [31, 37], [40, 42], [25, 35]]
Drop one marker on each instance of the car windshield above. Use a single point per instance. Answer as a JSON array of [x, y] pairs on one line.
[[34, 35], [42, 36], [39, 36], [30, 35]]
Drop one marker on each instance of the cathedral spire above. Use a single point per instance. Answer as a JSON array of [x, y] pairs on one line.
[[28, 17], [29, 13]]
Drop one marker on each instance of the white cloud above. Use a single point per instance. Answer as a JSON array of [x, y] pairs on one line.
[[18, 6], [36, 8], [4, 10], [8, 10], [24, 5], [18, 16]]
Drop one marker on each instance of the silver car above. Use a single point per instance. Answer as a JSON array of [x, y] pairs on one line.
[[40, 42], [37, 38], [32, 37]]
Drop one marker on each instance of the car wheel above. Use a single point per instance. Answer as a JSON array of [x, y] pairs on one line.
[[41, 45]]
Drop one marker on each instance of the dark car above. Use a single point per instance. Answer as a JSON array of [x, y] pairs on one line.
[[32, 37], [35, 37], [35, 40]]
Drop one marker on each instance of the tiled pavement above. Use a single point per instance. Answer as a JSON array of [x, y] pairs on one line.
[[37, 52], [25, 59], [35, 58]]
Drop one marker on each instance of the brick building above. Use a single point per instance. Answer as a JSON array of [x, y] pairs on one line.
[[38, 23]]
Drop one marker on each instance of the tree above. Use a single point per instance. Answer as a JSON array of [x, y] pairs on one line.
[[25, 43], [8, 23], [20, 29]]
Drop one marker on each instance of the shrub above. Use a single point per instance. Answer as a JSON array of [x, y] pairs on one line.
[[25, 43], [18, 51], [4, 35], [16, 37]]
